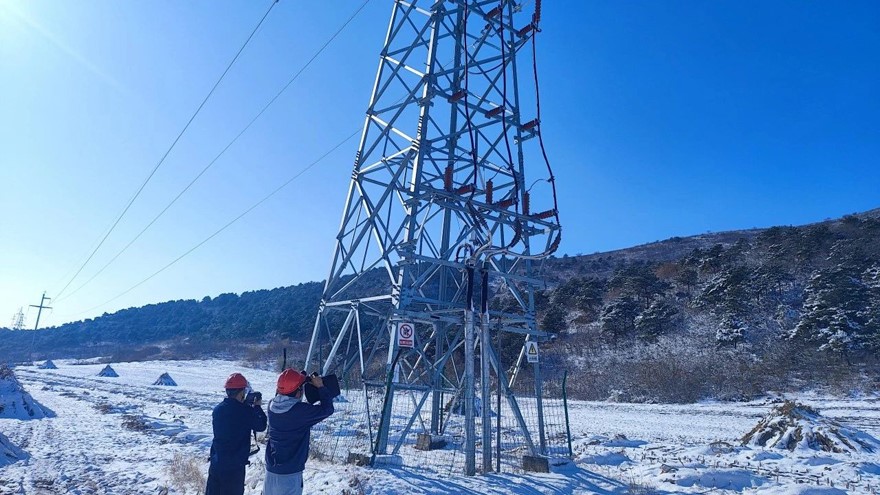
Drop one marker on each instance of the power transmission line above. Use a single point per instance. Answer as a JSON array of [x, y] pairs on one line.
[[223, 151], [227, 225], [167, 152]]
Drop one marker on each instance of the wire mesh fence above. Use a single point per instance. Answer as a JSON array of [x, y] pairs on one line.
[[427, 429]]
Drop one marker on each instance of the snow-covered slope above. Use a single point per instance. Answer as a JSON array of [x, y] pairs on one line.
[[9, 452], [15, 402], [126, 435]]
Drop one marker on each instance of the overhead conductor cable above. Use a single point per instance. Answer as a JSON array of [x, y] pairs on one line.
[[162, 160]]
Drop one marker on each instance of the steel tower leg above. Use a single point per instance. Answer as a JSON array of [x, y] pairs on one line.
[[485, 345], [470, 437]]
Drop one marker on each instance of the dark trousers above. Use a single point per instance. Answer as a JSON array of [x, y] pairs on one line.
[[225, 480]]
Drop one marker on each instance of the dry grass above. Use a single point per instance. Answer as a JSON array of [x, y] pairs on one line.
[[640, 487], [355, 486], [186, 474], [316, 451]]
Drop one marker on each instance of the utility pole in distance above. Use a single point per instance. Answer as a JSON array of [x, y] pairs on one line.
[[41, 308]]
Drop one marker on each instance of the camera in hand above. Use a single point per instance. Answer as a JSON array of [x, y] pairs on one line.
[[252, 397], [331, 383]]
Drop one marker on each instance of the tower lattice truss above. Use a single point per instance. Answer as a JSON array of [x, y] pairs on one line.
[[440, 215]]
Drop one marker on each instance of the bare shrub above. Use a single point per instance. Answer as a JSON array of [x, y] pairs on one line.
[[44, 484], [678, 369], [270, 356], [316, 451], [355, 486], [186, 474], [6, 372], [261, 357], [103, 407], [192, 348], [135, 423], [640, 488], [133, 354]]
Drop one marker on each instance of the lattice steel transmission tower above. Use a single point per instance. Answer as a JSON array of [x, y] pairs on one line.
[[438, 211], [18, 320]]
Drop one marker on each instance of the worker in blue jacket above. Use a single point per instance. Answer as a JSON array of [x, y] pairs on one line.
[[233, 422], [290, 423]]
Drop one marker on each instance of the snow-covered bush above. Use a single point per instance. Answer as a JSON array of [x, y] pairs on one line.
[[794, 426]]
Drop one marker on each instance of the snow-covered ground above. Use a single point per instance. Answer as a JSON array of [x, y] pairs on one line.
[[123, 435]]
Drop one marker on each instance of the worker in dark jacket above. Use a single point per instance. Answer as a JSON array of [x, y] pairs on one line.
[[290, 423], [233, 422]]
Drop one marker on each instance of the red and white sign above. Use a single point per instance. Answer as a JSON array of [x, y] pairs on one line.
[[405, 334]]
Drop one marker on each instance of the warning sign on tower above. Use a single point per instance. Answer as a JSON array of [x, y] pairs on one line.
[[405, 332], [532, 351]]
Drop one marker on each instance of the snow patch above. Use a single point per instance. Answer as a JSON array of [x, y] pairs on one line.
[[621, 441], [729, 479], [123, 435], [9, 453], [608, 459], [15, 402]]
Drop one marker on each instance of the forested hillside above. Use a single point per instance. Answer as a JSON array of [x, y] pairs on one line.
[[689, 318], [185, 328], [729, 314]]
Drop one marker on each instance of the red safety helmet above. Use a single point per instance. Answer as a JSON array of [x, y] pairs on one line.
[[289, 381], [236, 380]]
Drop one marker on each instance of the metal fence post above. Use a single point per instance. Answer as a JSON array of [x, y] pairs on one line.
[[565, 406]]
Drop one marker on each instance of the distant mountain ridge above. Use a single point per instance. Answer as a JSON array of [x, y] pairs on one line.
[[803, 298], [193, 328]]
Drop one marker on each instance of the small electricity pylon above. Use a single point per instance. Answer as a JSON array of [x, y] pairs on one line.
[[438, 195]]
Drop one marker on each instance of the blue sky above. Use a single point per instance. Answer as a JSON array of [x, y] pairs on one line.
[[661, 119]]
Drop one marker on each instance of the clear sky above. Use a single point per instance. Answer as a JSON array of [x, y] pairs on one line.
[[661, 119]]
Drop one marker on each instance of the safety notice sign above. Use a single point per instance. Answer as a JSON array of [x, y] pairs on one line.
[[532, 351], [405, 333]]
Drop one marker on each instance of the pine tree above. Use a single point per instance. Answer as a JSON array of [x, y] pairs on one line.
[[771, 279], [871, 312], [640, 282], [658, 319], [728, 292], [688, 278], [618, 318], [554, 319], [589, 296], [837, 314], [731, 331]]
